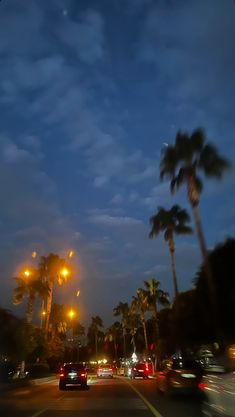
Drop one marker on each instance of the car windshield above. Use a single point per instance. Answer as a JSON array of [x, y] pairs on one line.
[[117, 208]]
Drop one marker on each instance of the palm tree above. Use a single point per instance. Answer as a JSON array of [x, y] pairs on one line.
[[112, 334], [50, 268], [183, 161], [122, 310], [94, 330], [140, 305], [58, 320], [173, 221], [31, 287], [156, 297]]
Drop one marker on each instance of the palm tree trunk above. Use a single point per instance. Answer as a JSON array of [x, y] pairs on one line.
[[124, 342], [30, 304], [96, 346], [156, 320], [158, 348], [200, 234], [172, 253], [133, 341], [49, 304], [115, 349], [145, 334]]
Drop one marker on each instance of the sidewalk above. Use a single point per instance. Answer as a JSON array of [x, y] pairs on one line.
[[24, 382]]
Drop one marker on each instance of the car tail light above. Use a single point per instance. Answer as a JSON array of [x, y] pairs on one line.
[[61, 374], [110, 369], [202, 385], [83, 374]]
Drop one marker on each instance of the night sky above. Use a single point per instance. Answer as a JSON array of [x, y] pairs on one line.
[[89, 93]]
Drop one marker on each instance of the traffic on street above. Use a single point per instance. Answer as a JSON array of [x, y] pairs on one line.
[[116, 397]]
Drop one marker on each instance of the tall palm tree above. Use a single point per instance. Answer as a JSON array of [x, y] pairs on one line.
[[50, 268], [30, 287], [182, 163], [140, 305], [156, 297], [122, 309], [112, 334], [94, 330], [173, 221]]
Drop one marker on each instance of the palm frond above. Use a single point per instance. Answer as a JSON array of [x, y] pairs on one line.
[[212, 163]]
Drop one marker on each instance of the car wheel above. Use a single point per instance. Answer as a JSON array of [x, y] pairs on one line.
[[62, 386]]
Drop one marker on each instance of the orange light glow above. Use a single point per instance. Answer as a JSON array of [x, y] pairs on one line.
[[26, 273], [64, 272], [71, 314]]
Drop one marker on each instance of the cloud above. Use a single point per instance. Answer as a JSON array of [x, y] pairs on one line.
[[133, 197], [85, 36], [192, 73], [12, 151], [159, 195], [45, 25], [117, 199], [111, 221]]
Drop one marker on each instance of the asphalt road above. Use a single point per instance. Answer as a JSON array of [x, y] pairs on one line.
[[117, 397]]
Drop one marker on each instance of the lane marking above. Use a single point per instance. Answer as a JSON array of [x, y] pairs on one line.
[[144, 399], [39, 413]]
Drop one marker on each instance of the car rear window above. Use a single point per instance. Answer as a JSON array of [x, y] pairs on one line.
[[76, 366], [105, 366]]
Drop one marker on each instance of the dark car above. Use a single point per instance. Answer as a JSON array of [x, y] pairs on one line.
[[179, 376], [73, 374], [140, 370]]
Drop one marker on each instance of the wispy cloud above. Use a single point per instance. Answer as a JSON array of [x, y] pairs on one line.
[[112, 221]]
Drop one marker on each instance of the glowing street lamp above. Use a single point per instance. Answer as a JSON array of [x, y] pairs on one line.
[[26, 273], [71, 314], [64, 272]]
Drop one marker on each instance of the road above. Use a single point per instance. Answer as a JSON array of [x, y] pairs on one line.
[[117, 397]]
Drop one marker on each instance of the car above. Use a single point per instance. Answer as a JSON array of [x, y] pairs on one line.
[[73, 374], [140, 370], [218, 388], [179, 376], [105, 371]]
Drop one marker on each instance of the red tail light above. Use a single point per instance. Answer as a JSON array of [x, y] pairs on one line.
[[110, 369], [61, 374], [83, 374], [202, 385]]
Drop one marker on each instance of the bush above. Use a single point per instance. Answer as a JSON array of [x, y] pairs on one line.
[[38, 370]]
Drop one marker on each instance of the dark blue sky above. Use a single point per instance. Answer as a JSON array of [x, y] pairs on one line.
[[89, 92]]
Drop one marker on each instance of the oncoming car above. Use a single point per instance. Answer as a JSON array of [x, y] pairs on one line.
[[73, 374]]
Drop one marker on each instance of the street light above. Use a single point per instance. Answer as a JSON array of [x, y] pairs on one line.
[[26, 273], [71, 314]]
